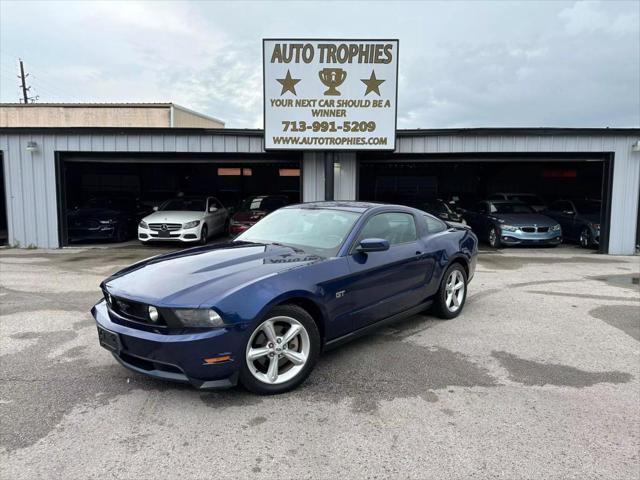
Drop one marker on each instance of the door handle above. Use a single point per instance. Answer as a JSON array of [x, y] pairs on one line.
[[418, 253]]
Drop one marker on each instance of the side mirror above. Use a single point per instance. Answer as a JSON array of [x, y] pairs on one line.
[[212, 208], [373, 245], [155, 209]]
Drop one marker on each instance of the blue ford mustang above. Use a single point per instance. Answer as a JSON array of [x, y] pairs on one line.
[[259, 310]]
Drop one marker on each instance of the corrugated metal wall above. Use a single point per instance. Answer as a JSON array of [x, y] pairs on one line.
[[30, 179], [626, 171]]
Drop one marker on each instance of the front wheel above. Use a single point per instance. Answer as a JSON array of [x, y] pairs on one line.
[[281, 351], [203, 235], [585, 238], [452, 293], [494, 237]]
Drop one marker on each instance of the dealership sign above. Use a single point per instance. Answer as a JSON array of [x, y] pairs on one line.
[[330, 94]]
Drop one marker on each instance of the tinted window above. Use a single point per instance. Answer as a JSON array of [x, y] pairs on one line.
[[394, 227], [587, 207], [496, 197], [215, 203], [263, 203], [510, 208], [436, 207], [184, 205], [320, 231], [434, 225], [561, 206]]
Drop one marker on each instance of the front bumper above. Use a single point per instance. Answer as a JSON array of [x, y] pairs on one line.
[[177, 358], [77, 234], [531, 238], [188, 235]]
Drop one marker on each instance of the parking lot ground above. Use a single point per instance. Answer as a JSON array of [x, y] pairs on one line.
[[538, 378]]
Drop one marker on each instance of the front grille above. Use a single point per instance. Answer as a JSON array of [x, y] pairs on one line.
[[535, 229], [165, 226]]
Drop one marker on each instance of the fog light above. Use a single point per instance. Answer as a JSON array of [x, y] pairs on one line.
[[153, 313]]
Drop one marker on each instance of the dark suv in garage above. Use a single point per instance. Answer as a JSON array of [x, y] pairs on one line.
[[580, 220]]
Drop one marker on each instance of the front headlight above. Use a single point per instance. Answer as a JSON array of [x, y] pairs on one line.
[[555, 228], [143, 224], [198, 317], [509, 228], [193, 224]]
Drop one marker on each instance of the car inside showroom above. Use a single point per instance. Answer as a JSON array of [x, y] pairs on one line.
[[68, 168]]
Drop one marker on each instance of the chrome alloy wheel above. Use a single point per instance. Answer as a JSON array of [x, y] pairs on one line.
[[585, 238], [455, 290], [278, 350]]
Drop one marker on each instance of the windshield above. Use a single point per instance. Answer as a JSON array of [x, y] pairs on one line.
[[113, 203], [263, 203], [510, 208], [184, 205], [587, 207], [318, 231], [527, 198]]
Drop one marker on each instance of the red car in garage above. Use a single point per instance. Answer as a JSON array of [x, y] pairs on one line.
[[252, 209]]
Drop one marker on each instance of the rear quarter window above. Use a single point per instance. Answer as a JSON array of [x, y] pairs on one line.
[[434, 225]]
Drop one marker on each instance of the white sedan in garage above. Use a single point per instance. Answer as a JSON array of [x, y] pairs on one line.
[[185, 219]]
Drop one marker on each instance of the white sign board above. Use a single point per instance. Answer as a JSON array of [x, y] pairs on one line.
[[330, 94]]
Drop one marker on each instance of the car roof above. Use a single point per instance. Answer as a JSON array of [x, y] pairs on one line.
[[505, 201], [349, 206]]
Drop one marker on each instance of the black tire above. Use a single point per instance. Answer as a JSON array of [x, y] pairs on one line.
[[440, 307], [585, 238], [121, 234], [203, 235], [493, 237], [253, 384]]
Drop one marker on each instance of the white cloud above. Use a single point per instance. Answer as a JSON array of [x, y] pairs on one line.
[[461, 63]]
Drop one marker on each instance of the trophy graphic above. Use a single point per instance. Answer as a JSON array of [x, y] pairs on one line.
[[332, 78]]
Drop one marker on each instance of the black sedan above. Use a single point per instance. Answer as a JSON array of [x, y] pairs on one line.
[[580, 220], [503, 223], [104, 218]]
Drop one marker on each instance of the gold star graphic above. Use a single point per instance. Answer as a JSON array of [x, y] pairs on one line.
[[288, 84], [372, 83]]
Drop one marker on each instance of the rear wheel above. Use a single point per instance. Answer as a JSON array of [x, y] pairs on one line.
[[452, 293], [494, 237], [281, 351]]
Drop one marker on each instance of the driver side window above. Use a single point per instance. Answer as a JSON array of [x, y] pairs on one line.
[[396, 228]]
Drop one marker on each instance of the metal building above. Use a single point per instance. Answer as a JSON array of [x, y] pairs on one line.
[[603, 163]]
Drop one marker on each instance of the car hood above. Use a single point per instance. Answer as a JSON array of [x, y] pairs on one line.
[[97, 213], [249, 215], [197, 276], [171, 216], [521, 219]]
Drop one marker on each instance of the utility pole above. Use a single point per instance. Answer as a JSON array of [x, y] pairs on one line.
[[25, 89]]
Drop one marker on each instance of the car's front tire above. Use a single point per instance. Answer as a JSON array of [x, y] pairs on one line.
[[281, 351], [585, 238], [494, 237], [452, 293], [203, 235]]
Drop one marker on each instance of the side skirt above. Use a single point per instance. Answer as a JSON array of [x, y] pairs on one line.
[[336, 342]]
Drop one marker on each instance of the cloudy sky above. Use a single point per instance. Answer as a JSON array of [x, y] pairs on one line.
[[462, 64]]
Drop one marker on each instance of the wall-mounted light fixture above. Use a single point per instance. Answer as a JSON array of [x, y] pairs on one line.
[[32, 146], [635, 146]]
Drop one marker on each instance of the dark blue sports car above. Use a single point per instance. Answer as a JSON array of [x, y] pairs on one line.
[[259, 310]]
